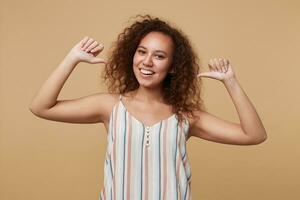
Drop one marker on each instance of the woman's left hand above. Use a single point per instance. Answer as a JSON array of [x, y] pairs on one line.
[[219, 69]]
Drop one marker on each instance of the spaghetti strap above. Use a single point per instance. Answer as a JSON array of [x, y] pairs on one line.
[[133, 148]]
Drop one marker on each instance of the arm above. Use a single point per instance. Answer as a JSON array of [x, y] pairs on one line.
[[207, 126], [80, 110]]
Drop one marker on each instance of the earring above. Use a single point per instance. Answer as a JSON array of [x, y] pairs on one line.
[[172, 71]]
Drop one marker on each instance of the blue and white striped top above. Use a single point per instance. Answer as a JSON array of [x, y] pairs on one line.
[[145, 162]]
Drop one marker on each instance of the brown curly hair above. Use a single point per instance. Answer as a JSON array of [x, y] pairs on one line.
[[181, 89]]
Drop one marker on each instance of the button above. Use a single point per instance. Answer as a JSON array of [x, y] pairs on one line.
[[147, 135]]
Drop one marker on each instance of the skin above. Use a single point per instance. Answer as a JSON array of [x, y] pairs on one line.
[[249, 131], [153, 53], [96, 108]]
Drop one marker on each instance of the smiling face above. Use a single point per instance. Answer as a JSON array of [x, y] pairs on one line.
[[152, 59]]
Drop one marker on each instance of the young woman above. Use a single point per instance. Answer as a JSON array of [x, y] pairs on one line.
[[152, 107]]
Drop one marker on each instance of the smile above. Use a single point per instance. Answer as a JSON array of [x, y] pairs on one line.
[[146, 72]]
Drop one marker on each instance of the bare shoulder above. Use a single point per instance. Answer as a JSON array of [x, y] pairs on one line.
[[108, 101], [199, 117], [192, 120]]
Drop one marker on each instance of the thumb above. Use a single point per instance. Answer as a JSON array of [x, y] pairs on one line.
[[204, 74], [97, 60]]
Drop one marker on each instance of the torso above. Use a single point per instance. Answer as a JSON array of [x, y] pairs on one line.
[[144, 162], [155, 111]]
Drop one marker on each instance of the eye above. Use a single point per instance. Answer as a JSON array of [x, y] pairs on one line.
[[160, 56], [141, 51]]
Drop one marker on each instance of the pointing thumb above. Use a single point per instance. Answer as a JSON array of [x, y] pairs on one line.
[[97, 60], [204, 74]]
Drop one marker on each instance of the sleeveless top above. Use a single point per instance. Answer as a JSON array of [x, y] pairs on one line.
[[145, 162]]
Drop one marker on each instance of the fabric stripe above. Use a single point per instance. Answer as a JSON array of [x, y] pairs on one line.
[[165, 180], [178, 167], [128, 184], [134, 171], [114, 151], [146, 174], [142, 166], [159, 153], [124, 154], [176, 135]]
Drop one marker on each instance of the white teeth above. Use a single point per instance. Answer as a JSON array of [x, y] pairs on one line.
[[146, 72]]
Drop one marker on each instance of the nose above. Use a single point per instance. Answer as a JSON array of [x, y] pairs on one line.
[[147, 61]]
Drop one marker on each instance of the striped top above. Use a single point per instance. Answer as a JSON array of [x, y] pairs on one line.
[[145, 162]]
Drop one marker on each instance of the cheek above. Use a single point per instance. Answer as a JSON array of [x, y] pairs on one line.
[[136, 59], [164, 66], [135, 63]]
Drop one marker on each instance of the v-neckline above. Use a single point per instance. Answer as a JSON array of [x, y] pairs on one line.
[[144, 125]]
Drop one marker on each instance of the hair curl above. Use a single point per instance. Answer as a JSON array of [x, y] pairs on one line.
[[181, 89]]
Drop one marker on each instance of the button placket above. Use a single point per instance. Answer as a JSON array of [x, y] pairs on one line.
[[147, 136]]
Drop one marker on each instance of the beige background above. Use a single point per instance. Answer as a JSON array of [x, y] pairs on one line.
[[48, 160]]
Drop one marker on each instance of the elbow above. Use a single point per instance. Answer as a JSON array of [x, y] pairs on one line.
[[261, 140], [265, 137], [35, 108], [34, 111], [32, 108]]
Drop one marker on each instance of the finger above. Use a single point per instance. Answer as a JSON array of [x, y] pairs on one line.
[[87, 44], [93, 45], [100, 47], [222, 64], [225, 61], [214, 65], [216, 61], [83, 41], [211, 65], [223, 69]]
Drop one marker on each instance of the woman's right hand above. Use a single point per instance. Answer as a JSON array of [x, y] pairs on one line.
[[86, 51]]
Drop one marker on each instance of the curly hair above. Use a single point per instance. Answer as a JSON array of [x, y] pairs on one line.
[[181, 89]]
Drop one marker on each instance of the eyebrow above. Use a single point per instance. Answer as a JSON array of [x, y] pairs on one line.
[[155, 51]]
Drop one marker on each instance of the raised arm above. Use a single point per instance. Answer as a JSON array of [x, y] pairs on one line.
[[88, 109], [249, 131]]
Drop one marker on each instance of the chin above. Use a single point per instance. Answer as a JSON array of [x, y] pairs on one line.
[[146, 85]]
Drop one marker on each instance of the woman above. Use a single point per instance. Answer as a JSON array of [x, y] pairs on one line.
[[153, 106]]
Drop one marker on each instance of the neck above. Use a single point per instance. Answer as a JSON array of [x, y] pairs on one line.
[[148, 95]]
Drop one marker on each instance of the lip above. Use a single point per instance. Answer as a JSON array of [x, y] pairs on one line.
[[144, 75], [146, 69]]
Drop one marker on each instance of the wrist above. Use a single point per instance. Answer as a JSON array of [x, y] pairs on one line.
[[71, 58], [230, 81]]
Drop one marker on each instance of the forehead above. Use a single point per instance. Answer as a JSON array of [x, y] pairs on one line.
[[157, 41]]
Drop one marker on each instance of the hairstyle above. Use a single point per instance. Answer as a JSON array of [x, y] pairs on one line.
[[181, 89]]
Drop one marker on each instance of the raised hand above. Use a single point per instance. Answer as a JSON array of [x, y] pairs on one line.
[[219, 69], [87, 50]]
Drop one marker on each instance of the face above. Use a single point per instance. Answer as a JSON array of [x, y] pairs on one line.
[[152, 59]]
